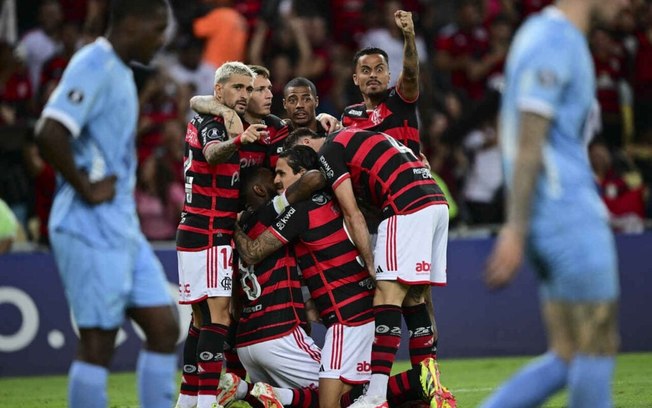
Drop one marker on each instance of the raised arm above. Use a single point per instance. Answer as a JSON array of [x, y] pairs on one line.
[[408, 80], [508, 253]]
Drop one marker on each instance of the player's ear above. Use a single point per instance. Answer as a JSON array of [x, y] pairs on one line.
[[284, 106], [217, 90], [355, 79], [259, 190], [316, 101]]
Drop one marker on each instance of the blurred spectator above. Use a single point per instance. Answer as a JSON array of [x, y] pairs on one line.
[[158, 105], [16, 92], [457, 46], [190, 71], [53, 68], [159, 200], [225, 31], [315, 59], [8, 227], [487, 68], [389, 38], [610, 79], [483, 183], [643, 77], [348, 21], [250, 10], [8, 21], [621, 189], [42, 42], [44, 182], [529, 7]]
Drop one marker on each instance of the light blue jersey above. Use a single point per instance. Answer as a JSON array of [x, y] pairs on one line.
[[104, 261], [550, 72], [95, 82]]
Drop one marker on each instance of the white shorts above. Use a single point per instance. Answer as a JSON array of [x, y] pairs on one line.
[[411, 248], [203, 274], [291, 361], [346, 355]]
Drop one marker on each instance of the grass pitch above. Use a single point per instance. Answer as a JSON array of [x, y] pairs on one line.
[[471, 380]]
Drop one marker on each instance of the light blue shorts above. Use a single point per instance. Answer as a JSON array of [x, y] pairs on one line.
[[101, 283], [576, 262]]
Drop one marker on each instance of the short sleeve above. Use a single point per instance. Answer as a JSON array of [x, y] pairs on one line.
[[73, 99], [212, 131], [541, 80], [332, 164]]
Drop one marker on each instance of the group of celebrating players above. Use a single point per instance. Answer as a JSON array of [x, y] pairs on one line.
[[347, 212]]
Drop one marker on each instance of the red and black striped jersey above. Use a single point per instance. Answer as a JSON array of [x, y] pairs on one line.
[[277, 143], [394, 116], [264, 153], [383, 172], [272, 302], [212, 192], [331, 265]]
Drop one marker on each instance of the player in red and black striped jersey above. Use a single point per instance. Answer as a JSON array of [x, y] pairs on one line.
[[339, 284], [392, 111], [410, 252], [212, 174], [271, 340]]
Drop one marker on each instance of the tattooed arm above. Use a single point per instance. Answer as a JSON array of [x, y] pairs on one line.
[[408, 80], [219, 152], [207, 104], [253, 251]]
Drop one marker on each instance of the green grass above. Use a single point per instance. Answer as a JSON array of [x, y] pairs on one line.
[[471, 380]]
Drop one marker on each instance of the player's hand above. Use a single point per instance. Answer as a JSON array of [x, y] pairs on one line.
[[404, 21], [329, 122], [254, 132], [99, 191], [506, 257]]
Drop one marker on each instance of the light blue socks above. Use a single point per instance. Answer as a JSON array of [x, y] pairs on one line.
[[589, 381], [156, 379], [532, 385], [87, 385]]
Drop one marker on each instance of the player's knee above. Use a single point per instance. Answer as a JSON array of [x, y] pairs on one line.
[[598, 330], [163, 339]]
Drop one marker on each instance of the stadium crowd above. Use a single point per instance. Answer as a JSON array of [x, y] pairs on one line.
[[462, 47]]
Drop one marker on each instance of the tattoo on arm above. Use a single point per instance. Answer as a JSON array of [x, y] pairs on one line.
[[254, 251], [408, 82], [533, 134], [217, 153]]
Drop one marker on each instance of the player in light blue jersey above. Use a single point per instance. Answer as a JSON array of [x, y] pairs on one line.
[[554, 211], [109, 271]]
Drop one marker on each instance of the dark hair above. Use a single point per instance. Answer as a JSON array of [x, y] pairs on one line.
[[300, 81], [369, 51], [248, 178], [294, 136], [260, 70], [139, 8], [300, 157]]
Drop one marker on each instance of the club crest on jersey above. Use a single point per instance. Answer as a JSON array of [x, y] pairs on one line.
[[319, 199], [212, 133], [75, 96]]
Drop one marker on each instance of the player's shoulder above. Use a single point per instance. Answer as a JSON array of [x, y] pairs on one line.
[[355, 111]]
